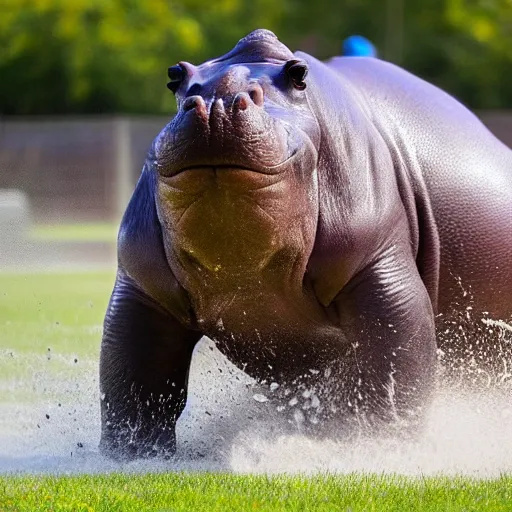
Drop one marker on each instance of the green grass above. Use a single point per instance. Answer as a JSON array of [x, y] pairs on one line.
[[64, 312], [58, 311], [224, 492], [47, 322], [88, 232]]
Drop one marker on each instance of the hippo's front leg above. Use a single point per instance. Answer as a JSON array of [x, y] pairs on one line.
[[144, 365], [387, 316]]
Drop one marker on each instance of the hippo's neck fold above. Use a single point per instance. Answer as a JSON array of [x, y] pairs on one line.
[[232, 230]]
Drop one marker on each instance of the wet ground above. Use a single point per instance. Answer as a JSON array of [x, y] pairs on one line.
[[226, 427], [226, 424]]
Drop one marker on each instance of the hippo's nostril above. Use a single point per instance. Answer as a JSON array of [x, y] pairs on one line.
[[193, 102], [241, 101], [256, 95]]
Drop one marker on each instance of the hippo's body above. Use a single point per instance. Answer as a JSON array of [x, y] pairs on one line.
[[317, 226]]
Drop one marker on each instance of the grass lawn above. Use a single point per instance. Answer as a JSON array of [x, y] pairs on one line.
[[64, 313], [86, 232], [47, 321], [224, 492], [51, 310]]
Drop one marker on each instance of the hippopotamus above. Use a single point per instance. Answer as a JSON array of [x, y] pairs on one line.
[[324, 223]]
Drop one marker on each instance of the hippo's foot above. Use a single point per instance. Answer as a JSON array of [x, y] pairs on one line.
[[144, 363], [333, 404], [124, 445], [374, 422]]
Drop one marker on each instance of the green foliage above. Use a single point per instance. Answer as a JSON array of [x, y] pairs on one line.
[[463, 46], [97, 56], [92, 56]]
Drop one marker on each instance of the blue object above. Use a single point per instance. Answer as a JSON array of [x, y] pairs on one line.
[[358, 46]]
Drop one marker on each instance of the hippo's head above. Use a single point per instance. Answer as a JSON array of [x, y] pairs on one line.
[[237, 165], [245, 110]]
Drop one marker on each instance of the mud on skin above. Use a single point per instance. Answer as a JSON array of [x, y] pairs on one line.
[[304, 215]]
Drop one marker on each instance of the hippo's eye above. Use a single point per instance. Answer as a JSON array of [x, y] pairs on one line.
[[297, 70], [176, 75]]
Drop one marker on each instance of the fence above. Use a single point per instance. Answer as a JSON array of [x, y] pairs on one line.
[[80, 169], [84, 169]]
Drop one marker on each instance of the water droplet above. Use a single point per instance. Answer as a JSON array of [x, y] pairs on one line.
[[298, 416]]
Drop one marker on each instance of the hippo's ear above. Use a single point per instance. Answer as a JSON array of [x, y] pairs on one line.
[[297, 70]]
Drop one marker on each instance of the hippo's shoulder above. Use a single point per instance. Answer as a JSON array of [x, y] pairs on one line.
[[387, 85], [140, 218], [423, 120], [141, 252], [383, 79]]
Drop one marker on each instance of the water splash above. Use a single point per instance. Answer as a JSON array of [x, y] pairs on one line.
[[224, 427]]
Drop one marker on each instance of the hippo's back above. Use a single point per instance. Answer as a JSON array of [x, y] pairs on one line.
[[468, 176]]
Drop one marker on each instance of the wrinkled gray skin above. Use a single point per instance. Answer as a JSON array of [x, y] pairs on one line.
[[324, 229]]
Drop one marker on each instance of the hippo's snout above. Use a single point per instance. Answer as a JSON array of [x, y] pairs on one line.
[[253, 96], [197, 105], [226, 123], [240, 112], [228, 109], [241, 102]]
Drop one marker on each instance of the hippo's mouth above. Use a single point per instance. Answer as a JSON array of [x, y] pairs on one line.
[[237, 167], [268, 152]]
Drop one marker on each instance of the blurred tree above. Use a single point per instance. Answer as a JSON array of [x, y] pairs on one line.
[[463, 46], [482, 55], [95, 56], [98, 56]]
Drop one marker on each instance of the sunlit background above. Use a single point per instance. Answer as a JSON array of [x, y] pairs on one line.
[[82, 89], [83, 93]]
